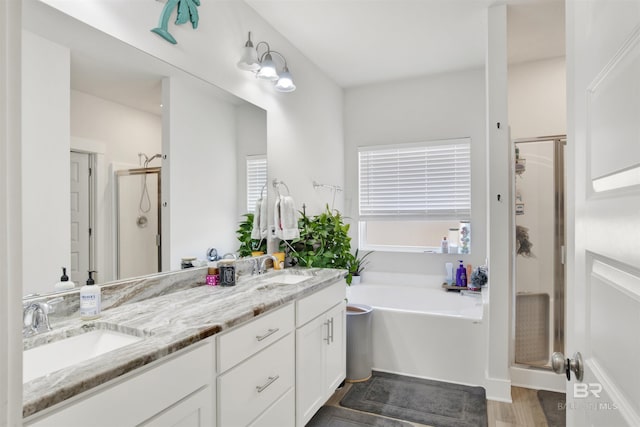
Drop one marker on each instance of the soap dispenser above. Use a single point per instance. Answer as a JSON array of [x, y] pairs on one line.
[[64, 283], [90, 299], [461, 275]]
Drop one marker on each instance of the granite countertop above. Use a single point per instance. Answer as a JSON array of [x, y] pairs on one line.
[[168, 323]]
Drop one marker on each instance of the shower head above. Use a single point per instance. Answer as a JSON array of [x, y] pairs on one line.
[[149, 159]]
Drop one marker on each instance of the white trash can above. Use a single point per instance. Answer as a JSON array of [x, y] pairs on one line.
[[359, 350]]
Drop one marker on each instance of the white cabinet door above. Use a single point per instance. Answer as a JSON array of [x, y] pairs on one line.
[[336, 350], [310, 388], [194, 411], [320, 361]]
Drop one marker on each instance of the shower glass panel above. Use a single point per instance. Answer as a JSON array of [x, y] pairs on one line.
[[138, 222], [540, 240]]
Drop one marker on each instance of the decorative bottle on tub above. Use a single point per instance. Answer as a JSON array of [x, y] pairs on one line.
[[461, 275]]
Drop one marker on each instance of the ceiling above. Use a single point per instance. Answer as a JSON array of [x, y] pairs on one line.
[[356, 42]]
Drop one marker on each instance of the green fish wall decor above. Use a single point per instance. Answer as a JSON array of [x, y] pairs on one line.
[[187, 11]]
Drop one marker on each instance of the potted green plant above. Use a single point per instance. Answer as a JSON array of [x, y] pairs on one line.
[[356, 266], [247, 244], [324, 241]]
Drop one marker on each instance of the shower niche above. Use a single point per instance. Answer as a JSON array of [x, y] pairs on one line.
[[138, 222]]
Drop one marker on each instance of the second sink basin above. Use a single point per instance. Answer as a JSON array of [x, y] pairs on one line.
[[47, 358], [287, 279]]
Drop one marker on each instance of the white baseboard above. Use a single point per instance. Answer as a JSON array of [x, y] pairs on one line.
[[498, 389], [537, 379]]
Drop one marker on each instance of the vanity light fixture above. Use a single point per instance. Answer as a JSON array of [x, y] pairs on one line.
[[264, 66]]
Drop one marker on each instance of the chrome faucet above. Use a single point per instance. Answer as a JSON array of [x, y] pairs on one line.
[[35, 317], [263, 262]]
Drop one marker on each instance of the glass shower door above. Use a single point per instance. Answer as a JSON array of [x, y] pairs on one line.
[[138, 222], [539, 263]]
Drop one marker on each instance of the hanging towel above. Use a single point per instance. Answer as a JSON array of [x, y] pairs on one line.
[[259, 230], [286, 218]]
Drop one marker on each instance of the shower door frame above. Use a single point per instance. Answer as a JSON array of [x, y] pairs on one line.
[[559, 279], [132, 172]]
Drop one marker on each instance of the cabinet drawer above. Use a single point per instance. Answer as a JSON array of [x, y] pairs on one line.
[[247, 390], [316, 304], [280, 414], [245, 341]]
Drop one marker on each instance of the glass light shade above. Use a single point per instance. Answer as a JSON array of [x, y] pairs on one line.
[[268, 69], [249, 60], [285, 82]]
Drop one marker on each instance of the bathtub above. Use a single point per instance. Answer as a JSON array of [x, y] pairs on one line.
[[425, 332]]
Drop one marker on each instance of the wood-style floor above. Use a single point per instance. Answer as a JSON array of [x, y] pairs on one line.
[[524, 411]]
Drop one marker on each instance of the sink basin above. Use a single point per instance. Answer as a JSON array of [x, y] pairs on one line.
[[287, 279], [47, 358]]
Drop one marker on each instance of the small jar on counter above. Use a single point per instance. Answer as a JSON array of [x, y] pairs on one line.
[[227, 271], [213, 276]]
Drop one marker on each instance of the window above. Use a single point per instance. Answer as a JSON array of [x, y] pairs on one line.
[[411, 196], [256, 180]]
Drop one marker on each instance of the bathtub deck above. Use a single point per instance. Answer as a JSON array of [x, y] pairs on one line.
[[525, 410]]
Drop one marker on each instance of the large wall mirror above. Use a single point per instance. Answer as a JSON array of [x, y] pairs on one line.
[[129, 163]]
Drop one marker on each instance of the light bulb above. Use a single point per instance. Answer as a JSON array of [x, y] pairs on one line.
[[249, 60], [285, 82], [268, 69]]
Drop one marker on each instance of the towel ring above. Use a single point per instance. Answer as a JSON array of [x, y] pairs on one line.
[[277, 184]]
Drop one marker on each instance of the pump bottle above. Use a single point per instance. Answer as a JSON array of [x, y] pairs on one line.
[[64, 283], [90, 299], [461, 275]]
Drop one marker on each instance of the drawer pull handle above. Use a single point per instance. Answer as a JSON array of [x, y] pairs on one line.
[[270, 381], [267, 334]]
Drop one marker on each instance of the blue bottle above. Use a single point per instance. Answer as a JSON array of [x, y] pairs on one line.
[[461, 275]]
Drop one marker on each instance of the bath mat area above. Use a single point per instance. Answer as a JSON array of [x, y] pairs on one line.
[[332, 416], [434, 403], [554, 407]]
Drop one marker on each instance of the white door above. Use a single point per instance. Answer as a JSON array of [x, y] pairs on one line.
[[80, 214], [603, 286]]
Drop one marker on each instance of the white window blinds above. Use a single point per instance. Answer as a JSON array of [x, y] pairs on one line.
[[256, 179], [430, 180]]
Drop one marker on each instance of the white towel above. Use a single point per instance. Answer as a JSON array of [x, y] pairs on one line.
[[259, 230], [286, 218]]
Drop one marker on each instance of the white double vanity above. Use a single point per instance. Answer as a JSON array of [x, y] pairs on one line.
[[269, 351]]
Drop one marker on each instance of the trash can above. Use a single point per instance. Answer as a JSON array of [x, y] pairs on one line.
[[359, 350]]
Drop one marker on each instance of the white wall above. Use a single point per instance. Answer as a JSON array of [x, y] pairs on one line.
[[440, 106], [123, 132], [304, 127], [500, 214], [537, 98], [126, 131], [45, 163], [199, 140]]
